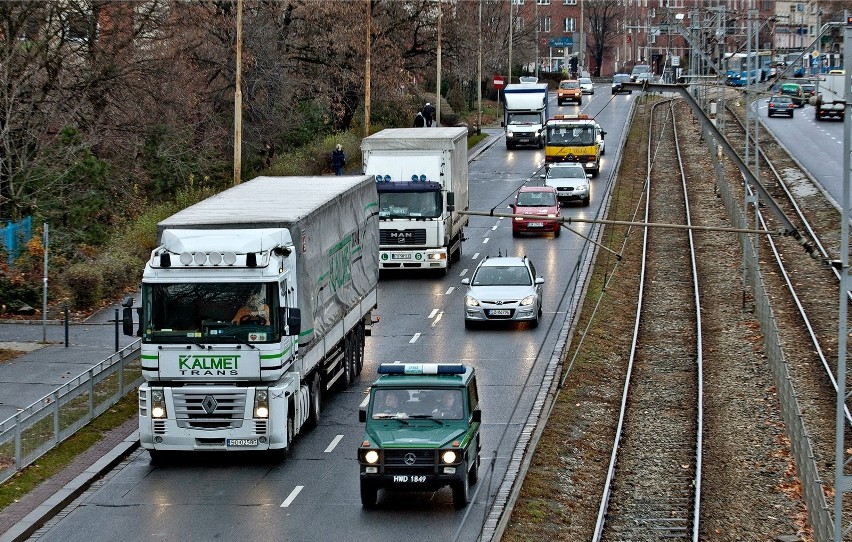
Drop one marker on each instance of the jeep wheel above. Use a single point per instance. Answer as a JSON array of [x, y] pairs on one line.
[[369, 494], [473, 474], [461, 492]]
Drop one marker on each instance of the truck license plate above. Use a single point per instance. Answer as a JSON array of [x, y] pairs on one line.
[[241, 442], [535, 224], [499, 312], [400, 256]]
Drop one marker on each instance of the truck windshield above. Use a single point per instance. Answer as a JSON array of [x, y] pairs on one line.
[[210, 312], [567, 135], [409, 204], [524, 118]]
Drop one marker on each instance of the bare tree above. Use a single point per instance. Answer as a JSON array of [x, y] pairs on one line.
[[602, 17]]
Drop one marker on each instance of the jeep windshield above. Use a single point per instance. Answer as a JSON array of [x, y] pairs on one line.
[[210, 312], [417, 403]]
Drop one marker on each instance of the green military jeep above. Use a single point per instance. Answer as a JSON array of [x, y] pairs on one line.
[[422, 431]]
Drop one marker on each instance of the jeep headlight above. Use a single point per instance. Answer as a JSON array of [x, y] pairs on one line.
[[371, 457], [470, 301], [527, 300], [449, 457], [261, 404], [158, 404]]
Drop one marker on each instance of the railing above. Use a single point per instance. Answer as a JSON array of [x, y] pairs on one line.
[[37, 429]]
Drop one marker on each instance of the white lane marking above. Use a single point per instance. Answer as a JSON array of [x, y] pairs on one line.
[[433, 313], [414, 339], [438, 319], [475, 256], [334, 443], [501, 218], [495, 226], [485, 240], [450, 290], [463, 273], [293, 494]]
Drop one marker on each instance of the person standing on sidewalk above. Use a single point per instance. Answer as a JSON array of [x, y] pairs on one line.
[[338, 159], [428, 114], [419, 121]]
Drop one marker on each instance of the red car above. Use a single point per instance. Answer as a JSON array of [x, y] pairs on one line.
[[539, 201]]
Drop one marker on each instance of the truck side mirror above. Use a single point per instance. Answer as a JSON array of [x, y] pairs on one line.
[[477, 416], [362, 415], [502, 124], [127, 316], [291, 321], [451, 201]]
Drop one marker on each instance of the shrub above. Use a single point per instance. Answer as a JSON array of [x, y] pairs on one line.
[[119, 270], [85, 284]]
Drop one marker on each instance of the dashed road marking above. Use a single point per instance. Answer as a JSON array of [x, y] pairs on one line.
[[463, 273], [433, 313], [290, 498], [438, 318], [485, 240], [450, 290], [475, 256], [414, 339], [333, 443]]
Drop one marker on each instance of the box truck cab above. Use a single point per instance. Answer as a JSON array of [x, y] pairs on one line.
[[524, 113]]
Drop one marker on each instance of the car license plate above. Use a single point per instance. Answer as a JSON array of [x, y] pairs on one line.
[[406, 479], [524, 140], [499, 312], [400, 256], [241, 442], [535, 224]]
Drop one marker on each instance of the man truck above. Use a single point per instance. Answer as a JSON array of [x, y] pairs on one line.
[[255, 303], [524, 114], [421, 179]]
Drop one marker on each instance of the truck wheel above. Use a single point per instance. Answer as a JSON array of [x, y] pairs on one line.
[[348, 362], [369, 493], [461, 492], [359, 348], [315, 400]]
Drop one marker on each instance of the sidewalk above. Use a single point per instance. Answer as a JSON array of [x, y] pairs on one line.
[[41, 368]]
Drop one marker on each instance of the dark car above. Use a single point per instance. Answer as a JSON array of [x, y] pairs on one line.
[[617, 83], [781, 105], [794, 91], [808, 89]]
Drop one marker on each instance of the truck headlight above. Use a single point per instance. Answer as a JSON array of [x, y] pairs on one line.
[[470, 301], [449, 456], [158, 404], [437, 256], [371, 457], [509, 133], [261, 403], [527, 300]]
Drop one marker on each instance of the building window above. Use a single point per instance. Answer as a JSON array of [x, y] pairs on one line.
[[518, 2], [570, 24], [544, 24], [569, 2], [542, 2]]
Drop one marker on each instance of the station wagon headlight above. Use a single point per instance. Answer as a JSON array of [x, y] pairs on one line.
[[470, 301], [582, 187], [449, 457], [527, 301], [158, 404]]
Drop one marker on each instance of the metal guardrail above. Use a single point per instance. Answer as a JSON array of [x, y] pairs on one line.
[[819, 515], [40, 427]]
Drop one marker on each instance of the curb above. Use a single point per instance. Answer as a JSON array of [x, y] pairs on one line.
[[73, 489]]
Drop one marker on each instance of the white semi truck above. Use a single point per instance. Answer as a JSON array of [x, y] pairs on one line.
[[255, 303], [421, 178]]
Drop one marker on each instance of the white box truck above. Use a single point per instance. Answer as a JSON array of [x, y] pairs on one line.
[[255, 303], [421, 178], [524, 114]]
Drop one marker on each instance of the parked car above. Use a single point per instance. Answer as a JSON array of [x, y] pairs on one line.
[[586, 85], [794, 91], [780, 105], [539, 201], [570, 181], [503, 289], [618, 80], [569, 91]]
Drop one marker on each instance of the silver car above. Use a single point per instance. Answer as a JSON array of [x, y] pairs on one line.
[[570, 181], [503, 289], [586, 85]]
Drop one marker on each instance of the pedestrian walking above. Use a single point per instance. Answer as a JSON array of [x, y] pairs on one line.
[[428, 114], [338, 159], [419, 121]]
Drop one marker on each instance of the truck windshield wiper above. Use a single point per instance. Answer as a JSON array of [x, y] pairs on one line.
[[239, 340], [198, 343]]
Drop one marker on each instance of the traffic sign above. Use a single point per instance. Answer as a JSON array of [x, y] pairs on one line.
[[564, 41], [498, 82]]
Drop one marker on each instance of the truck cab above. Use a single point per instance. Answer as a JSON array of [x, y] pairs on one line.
[[575, 138], [422, 431]]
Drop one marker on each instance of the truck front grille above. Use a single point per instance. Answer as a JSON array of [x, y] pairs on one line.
[[200, 410], [402, 237]]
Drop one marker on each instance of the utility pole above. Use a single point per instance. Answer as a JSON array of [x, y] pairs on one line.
[[238, 98], [367, 69], [479, 75], [537, 28], [511, 26], [438, 86]]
